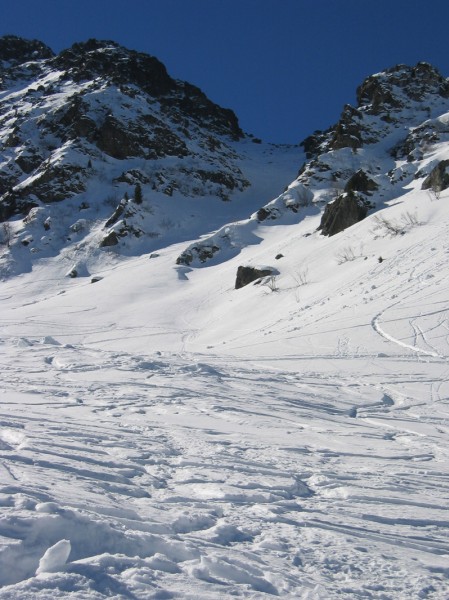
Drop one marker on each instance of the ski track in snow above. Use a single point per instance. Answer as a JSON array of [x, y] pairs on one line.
[[248, 481], [165, 436], [201, 443]]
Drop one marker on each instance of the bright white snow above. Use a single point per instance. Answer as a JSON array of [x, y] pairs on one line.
[[163, 435]]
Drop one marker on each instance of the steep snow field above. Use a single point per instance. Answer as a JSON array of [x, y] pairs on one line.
[[163, 435]]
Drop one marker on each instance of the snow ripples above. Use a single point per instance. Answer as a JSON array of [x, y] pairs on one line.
[[139, 476]]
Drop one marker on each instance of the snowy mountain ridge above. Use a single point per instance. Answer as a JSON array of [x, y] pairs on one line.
[[165, 435], [372, 155], [82, 130]]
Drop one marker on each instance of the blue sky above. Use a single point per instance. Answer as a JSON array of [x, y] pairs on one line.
[[286, 67]]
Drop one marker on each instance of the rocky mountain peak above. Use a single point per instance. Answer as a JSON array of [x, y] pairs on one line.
[[394, 87], [82, 130], [17, 50], [384, 100], [112, 63], [374, 153], [107, 59]]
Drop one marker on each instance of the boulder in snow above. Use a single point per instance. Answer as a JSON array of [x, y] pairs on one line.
[[438, 178], [343, 212], [246, 275]]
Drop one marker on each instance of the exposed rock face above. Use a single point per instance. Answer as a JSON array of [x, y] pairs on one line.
[[313, 143], [267, 213], [15, 50], [116, 140], [56, 182], [111, 239], [29, 159], [360, 182], [348, 132], [345, 211], [438, 178], [100, 58], [246, 275], [21, 60], [124, 68], [202, 252], [117, 214], [122, 103], [193, 101], [12, 204], [419, 137], [384, 96], [393, 87]]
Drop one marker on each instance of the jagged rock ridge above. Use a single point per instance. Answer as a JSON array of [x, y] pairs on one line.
[[115, 106], [367, 158], [84, 127]]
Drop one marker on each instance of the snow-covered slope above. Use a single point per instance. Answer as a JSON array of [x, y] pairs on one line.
[[193, 440], [164, 435], [103, 152], [370, 156]]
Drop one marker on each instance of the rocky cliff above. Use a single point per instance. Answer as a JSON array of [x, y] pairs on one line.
[[80, 130], [370, 156], [102, 151]]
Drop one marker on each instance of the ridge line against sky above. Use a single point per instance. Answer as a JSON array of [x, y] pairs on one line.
[[286, 67]]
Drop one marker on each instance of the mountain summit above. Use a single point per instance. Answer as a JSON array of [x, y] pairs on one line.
[[81, 130], [98, 100], [103, 151], [214, 385], [369, 157]]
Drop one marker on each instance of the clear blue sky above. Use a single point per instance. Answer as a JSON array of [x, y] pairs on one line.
[[286, 67]]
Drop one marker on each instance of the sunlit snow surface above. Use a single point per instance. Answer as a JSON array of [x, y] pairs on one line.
[[163, 435]]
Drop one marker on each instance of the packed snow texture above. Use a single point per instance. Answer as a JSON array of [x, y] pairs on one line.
[[167, 436], [164, 435]]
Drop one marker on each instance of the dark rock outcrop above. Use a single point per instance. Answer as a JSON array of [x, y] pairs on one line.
[[418, 138], [191, 100], [105, 58], [438, 178], [75, 120], [246, 275], [111, 239], [313, 143], [117, 214], [17, 50], [383, 95], [392, 88], [343, 212], [29, 159], [11, 204], [56, 183], [348, 133], [203, 253], [360, 182], [129, 69], [265, 213]]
